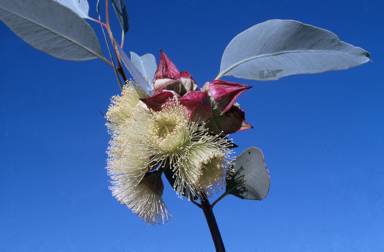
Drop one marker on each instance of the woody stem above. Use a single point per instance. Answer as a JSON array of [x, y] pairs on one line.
[[212, 224]]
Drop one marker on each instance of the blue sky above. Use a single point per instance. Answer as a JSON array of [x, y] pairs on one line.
[[322, 137]]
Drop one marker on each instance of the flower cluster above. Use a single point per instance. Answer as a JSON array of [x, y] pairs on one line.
[[179, 130]]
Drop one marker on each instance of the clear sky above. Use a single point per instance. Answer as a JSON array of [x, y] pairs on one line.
[[322, 137]]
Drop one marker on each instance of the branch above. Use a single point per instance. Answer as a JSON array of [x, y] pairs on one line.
[[212, 224]]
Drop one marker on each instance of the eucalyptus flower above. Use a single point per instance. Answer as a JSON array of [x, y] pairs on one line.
[[143, 199], [145, 141], [129, 152], [203, 164], [129, 157], [165, 131], [121, 107], [188, 147]]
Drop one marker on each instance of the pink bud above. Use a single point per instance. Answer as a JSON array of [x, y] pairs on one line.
[[197, 104], [225, 93], [234, 121], [161, 83], [166, 69], [185, 75], [188, 82], [205, 88], [157, 99], [174, 85], [180, 86]]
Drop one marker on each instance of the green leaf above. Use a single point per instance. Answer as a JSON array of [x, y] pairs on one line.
[[136, 74], [52, 28], [278, 48], [122, 14], [146, 65], [250, 179], [80, 7]]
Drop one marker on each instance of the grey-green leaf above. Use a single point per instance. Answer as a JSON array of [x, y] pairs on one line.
[[136, 74], [80, 7], [146, 65], [251, 177], [122, 14], [278, 48], [52, 28]]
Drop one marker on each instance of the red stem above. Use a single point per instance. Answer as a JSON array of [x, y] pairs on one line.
[[108, 27]]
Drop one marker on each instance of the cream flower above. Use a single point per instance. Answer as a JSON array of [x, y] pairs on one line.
[[141, 199], [213, 178], [129, 160], [128, 152], [121, 107], [191, 151], [144, 140], [169, 131], [202, 167]]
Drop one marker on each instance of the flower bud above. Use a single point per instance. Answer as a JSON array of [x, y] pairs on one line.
[[168, 77], [225, 93], [161, 83], [188, 82], [166, 69], [234, 121], [198, 105], [175, 86], [158, 99]]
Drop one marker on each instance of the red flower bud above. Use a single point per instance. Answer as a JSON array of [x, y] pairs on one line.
[[168, 77], [205, 88], [197, 104], [225, 93], [185, 75], [159, 98], [188, 82], [166, 69], [234, 121], [161, 83], [174, 85]]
